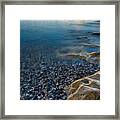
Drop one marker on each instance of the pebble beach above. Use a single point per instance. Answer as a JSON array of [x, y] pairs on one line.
[[55, 54]]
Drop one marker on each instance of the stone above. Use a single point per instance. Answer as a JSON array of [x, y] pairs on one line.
[[86, 88]]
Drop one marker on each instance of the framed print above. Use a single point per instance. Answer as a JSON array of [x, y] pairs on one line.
[[59, 59]]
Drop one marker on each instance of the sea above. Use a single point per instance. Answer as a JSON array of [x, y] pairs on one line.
[[55, 53]]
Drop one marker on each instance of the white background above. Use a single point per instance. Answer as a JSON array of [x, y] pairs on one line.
[[15, 13]]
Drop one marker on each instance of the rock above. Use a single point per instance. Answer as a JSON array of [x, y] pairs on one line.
[[95, 76], [86, 88], [85, 93], [94, 54], [94, 57]]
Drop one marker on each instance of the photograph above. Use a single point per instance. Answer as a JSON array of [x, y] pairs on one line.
[[58, 55], [59, 59]]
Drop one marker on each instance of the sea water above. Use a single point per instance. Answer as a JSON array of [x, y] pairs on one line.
[[48, 61]]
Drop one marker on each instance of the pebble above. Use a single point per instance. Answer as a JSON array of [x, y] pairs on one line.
[[44, 76]]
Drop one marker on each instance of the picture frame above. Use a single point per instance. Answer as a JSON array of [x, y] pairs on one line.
[[2, 61]]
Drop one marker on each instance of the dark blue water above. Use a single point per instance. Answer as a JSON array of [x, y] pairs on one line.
[[45, 68]]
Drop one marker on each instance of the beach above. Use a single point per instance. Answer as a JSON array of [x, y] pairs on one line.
[[54, 55]]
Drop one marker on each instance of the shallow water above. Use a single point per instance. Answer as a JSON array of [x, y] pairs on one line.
[[44, 73]]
